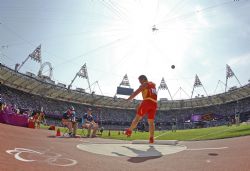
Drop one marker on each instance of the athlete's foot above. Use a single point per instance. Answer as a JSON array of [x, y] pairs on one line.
[[93, 136], [151, 140], [128, 132]]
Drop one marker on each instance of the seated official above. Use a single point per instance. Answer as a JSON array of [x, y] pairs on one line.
[[69, 120], [40, 119], [89, 123], [34, 117]]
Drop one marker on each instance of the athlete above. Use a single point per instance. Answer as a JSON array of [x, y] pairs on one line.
[[147, 106]]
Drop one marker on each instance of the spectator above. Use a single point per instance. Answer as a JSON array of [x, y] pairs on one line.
[[119, 119], [174, 126], [89, 123]]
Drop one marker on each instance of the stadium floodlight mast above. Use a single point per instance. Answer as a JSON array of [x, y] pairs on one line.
[[125, 81], [82, 73], [163, 86], [197, 83], [229, 74], [124, 87], [35, 55]]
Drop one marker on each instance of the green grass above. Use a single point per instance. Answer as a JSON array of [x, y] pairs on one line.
[[182, 135], [188, 135], [63, 129]]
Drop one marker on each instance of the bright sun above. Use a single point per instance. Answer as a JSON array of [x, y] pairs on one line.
[[151, 31], [153, 40]]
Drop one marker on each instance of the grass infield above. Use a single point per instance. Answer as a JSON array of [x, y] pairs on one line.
[[187, 135], [182, 135]]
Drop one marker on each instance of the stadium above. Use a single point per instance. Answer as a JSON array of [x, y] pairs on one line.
[[203, 131], [117, 113]]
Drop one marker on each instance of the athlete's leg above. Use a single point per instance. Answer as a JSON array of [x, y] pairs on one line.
[[95, 128], [87, 126], [151, 127], [74, 125], [151, 116], [139, 114], [135, 121], [133, 125]]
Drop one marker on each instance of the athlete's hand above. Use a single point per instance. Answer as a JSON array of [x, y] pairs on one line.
[[130, 99]]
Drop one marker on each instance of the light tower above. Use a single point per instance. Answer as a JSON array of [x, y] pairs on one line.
[[35, 55], [82, 73]]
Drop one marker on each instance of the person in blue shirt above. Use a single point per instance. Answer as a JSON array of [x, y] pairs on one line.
[[69, 119], [89, 123]]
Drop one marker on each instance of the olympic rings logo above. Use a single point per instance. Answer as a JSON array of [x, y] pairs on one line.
[[32, 155]]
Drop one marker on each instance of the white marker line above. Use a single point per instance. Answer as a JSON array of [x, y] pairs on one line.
[[52, 160], [197, 149], [217, 132], [18, 151], [160, 135], [201, 135]]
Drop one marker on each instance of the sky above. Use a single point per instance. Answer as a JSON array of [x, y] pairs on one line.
[[115, 37]]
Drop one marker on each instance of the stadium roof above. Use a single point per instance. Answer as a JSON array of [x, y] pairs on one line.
[[32, 84]]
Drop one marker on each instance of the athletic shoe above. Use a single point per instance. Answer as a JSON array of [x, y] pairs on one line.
[[128, 132], [93, 136], [151, 140]]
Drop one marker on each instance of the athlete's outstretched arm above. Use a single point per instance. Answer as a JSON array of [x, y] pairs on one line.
[[140, 89]]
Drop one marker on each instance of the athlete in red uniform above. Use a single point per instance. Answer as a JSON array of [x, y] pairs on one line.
[[147, 106]]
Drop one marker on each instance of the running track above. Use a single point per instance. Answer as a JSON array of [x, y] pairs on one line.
[[56, 153]]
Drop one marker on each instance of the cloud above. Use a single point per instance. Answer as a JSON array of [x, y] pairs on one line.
[[242, 60]]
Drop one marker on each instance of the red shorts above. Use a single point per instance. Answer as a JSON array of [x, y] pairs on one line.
[[147, 107]]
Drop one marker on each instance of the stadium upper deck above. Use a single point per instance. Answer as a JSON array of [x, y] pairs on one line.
[[35, 85]]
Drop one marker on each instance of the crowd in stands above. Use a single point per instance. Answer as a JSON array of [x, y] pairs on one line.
[[112, 118]]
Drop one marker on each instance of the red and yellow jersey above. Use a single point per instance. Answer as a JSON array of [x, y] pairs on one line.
[[149, 91]]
